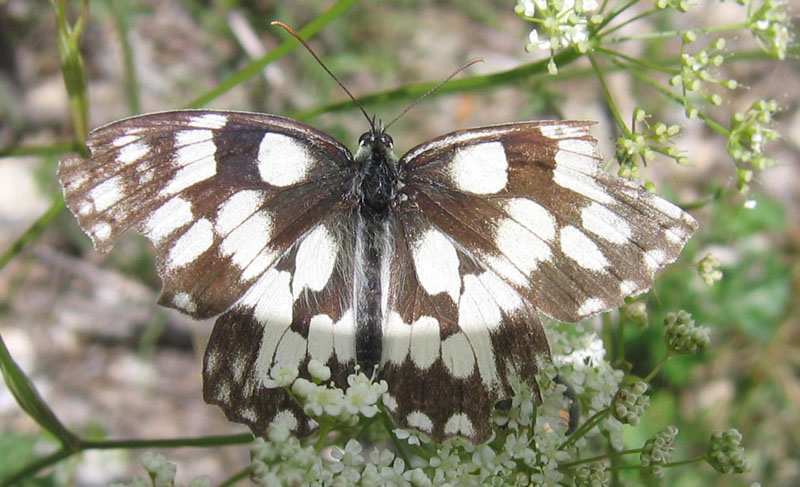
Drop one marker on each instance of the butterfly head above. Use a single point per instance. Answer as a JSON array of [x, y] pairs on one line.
[[377, 179]]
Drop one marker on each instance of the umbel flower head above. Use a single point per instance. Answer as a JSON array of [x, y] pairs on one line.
[[657, 451], [683, 335], [725, 452], [629, 403], [560, 24]]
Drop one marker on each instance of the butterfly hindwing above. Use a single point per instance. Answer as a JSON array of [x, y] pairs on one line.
[[299, 309], [453, 331]]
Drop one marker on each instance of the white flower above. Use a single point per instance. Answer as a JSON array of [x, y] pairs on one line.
[[417, 477], [411, 437], [318, 370], [534, 42], [349, 457], [280, 376], [362, 395], [161, 471]]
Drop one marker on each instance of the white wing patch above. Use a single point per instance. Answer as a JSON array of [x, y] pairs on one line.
[[457, 356], [189, 246], [480, 168], [396, 338], [436, 263], [315, 259], [271, 301], [282, 160], [580, 248], [522, 247], [425, 341], [131, 153], [459, 424], [195, 159], [106, 194], [237, 209], [605, 224], [170, 216], [247, 240], [532, 216]]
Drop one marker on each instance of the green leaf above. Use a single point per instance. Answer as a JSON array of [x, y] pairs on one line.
[[29, 399]]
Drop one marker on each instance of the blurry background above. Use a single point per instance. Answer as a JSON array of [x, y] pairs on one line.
[[111, 363]]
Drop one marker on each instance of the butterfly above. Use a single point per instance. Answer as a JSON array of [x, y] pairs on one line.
[[428, 271]]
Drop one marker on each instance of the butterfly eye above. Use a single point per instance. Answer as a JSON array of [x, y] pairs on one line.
[[367, 137], [387, 140]]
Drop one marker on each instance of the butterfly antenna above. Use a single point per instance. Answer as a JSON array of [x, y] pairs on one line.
[[452, 75], [308, 48]]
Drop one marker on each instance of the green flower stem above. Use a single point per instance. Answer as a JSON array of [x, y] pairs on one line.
[[120, 12], [237, 477], [322, 441], [33, 232], [619, 348], [685, 462], [54, 149], [658, 366], [585, 427], [628, 22], [257, 65], [82, 445], [411, 92], [713, 124], [608, 18], [569, 465], [36, 466], [609, 99], [676, 33], [72, 68], [28, 398], [200, 441], [634, 466], [389, 426], [660, 67]]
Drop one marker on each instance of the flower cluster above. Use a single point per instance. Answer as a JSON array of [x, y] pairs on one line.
[[681, 5], [694, 73], [725, 452], [282, 460], [562, 23], [748, 133], [637, 314], [594, 475], [683, 335], [642, 145], [708, 267], [527, 447], [630, 402], [657, 451], [161, 473], [318, 398], [770, 23]]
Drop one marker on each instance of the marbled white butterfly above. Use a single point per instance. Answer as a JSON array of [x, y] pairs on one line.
[[428, 270]]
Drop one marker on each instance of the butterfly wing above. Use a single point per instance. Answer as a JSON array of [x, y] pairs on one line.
[[499, 222], [453, 330], [533, 204], [248, 216]]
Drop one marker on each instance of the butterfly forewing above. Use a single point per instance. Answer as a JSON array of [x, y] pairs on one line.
[[220, 194], [530, 201]]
